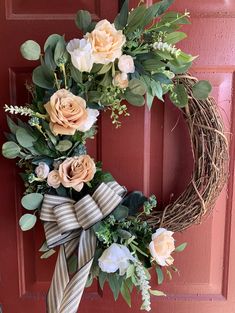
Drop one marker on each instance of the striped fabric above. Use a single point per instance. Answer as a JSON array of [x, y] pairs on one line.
[[68, 224]]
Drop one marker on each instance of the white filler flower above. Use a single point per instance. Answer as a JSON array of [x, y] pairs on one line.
[[114, 258]]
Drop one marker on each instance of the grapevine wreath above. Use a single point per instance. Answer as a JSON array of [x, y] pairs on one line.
[[103, 231]]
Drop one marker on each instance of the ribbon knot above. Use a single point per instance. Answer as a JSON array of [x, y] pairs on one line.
[[68, 223]]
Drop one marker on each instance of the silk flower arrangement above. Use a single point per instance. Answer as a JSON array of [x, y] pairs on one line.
[[104, 232]]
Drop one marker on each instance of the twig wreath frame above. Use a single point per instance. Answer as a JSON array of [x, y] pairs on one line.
[[103, 232]]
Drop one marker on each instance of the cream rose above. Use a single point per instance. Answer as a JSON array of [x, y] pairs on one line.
[[161, 246], [114, 258], [126, 64], [76, 171], [53, 179], [121, 80], [42, 170], [81, 54], [68, 113], [106, 42]]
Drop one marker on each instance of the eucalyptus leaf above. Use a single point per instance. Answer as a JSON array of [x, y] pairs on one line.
[[60, 55], [51, 42], [180, 96], [30, 50], [83, 20], [134, 99], [32, 201], [64, 145], [137, 87], [27, 221], [202, 89], [43, 78], [24, 138], [49, 59], [120, 212], [13, 127], [10, 150]]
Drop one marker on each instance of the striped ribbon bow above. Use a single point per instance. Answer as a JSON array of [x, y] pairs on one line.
[[68, 223]]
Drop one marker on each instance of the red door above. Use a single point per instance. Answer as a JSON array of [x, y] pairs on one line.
[[160, 163]]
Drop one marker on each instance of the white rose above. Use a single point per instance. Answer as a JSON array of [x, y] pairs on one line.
[[114, 258], [126, 64], [161, 247], [42, 170], [91, 119], [81, 54]]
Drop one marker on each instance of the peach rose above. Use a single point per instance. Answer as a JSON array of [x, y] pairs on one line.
[[106, 42], [161, 247], [121, 80], [76, 171], [68, 113], [53, 179]]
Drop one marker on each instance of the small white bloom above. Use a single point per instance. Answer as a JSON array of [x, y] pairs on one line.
[[114, 258], [91, 119], [161, 246], [42, 170], [121, 80], [126, 64], [81, 54]]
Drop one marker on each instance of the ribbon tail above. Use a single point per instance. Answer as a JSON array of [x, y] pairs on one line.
[[65, 295]]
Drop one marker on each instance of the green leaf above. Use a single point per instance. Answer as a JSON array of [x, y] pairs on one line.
[[185, 58], [175, 37], [76, 74], [30, 50], [64, 145], [180, 96], [43, 78], [126, 293], [51, 41], [32, 201], [27, 221], [134, 99], [181, 247], [43, 149], [179, 68], [160, 276], [124, 233], [73, 264], [157, 293], [137, 87], [94, 96], [115, 284], [24, 138], [135, 18], [47, 254], [49, 59], [61, 54], [130, 270], [89, 281], [102, 278], [202, 89], [121, 19], [10, 150], [105, 68], [134, 201], [83, 20], [153, 65], [162, 78], [13, 127], [157, 89], [120, 212]]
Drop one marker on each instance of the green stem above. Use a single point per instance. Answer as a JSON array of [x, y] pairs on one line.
[[56, 81], [65, 77]]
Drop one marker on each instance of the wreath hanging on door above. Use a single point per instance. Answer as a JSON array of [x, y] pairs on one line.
[[103, 231]]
